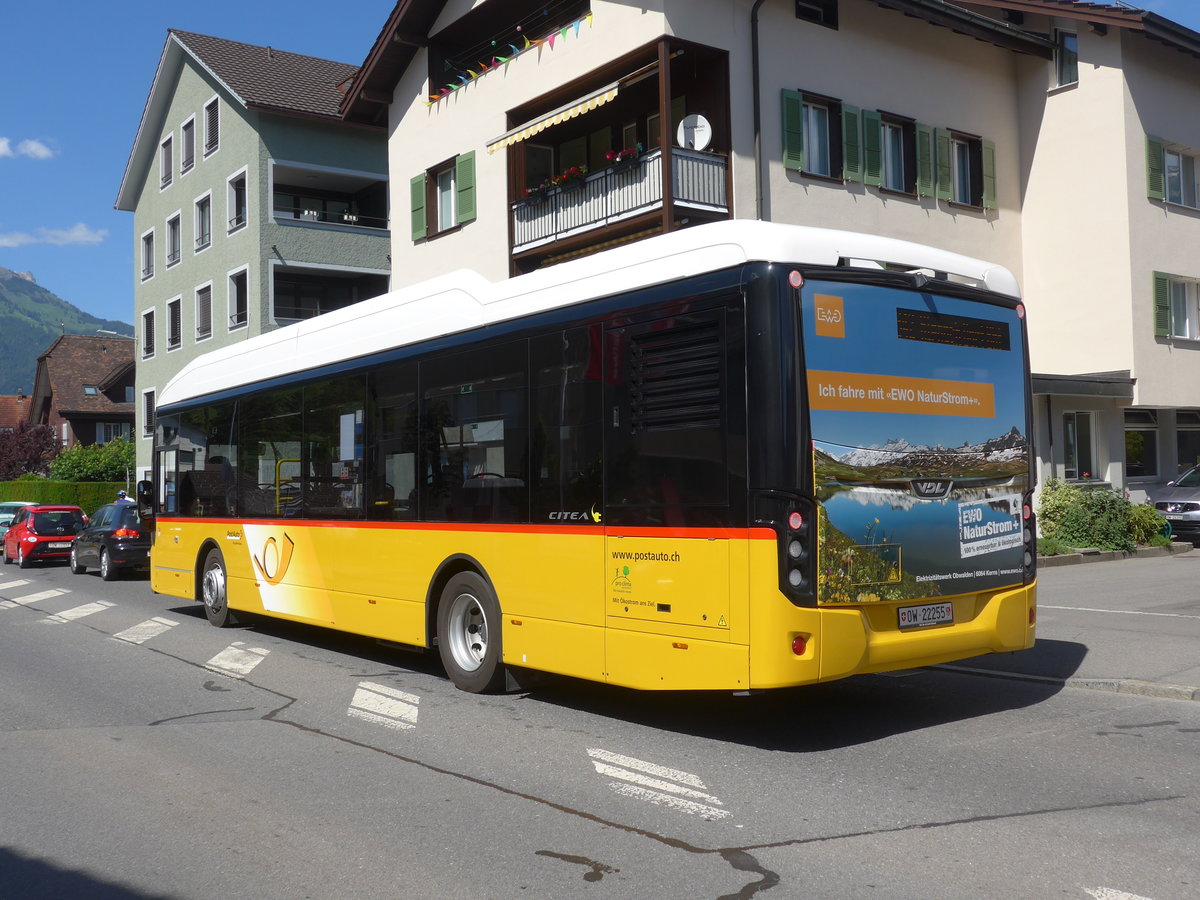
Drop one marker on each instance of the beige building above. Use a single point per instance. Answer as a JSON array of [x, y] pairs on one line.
[[1049, 135]]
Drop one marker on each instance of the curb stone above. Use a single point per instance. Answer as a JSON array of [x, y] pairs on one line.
[[1111, 685], [1089, 555]]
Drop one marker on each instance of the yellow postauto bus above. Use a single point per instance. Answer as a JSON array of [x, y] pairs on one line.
[[738, 456]]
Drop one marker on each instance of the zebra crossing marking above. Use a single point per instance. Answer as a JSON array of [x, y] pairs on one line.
[[79, 612], [657, 784], [383, 705], [144, 631], [235, 661]]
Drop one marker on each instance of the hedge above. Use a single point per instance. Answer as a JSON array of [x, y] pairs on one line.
[[88, 495]]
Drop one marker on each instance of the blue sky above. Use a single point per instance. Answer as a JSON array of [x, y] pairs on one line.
[[76, 77]]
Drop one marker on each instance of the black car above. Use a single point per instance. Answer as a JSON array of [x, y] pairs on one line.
[[115, 538]]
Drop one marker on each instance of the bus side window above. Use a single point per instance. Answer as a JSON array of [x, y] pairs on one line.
[[392, 443], [474, 439], [566, 436]]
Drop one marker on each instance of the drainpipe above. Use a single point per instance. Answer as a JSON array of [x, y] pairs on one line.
[[759, 163]]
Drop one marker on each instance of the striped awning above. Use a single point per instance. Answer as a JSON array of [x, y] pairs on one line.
[[584, 104]]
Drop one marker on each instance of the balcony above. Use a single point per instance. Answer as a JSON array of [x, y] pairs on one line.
[[607, 198]]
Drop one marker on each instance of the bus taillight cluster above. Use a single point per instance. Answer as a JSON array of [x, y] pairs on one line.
[[1029, 538], [793, 519]]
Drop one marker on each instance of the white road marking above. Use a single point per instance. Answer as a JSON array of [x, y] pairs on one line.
[[677, 803], [143, 632], [1103, 893], [31, 598], [79, 612], [659, 785], [13, 584], [383, 705], [1124, 612], [236, 662]]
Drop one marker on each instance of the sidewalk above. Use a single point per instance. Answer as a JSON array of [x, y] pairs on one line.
[[1132, 627]]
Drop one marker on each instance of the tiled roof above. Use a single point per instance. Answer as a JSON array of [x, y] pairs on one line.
[[267, 77], [13, 410], [74, 360]]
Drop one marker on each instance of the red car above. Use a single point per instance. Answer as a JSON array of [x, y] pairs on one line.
[[42, 532]]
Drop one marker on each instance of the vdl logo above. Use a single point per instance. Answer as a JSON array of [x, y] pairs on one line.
[[931, 488]]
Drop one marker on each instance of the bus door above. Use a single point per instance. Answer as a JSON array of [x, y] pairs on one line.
[[666, 475]]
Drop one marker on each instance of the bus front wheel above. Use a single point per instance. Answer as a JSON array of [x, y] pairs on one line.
[[469, 634], [214, 592]]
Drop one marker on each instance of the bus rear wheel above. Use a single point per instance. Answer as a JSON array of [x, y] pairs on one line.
[[469, 634], [214, 591]]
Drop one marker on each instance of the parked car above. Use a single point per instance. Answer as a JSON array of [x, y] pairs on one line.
[[42, 532], [1179, 501], [115, 539], [8, 509]]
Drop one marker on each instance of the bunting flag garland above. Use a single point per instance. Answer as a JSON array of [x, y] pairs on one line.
[[467, 75]]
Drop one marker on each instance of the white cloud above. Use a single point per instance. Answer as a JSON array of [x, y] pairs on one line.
[[76, 234], [34, 149], [28, 147]]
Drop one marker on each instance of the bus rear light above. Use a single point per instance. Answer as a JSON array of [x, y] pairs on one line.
[[795, 549], [799, 644], [796, 578], [1033, 615], [795, 521]]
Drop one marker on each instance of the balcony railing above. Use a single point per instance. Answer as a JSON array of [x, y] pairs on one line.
[[329, 217], [605, 198]]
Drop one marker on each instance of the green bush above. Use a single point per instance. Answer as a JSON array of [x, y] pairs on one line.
[[88, 495], [1082, 516], [1145, 523], [95, 462], [1048, 546]]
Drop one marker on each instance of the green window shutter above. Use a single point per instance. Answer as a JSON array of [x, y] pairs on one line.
[[464, 185], [852, 169], [989, 174], [793, 130], [872, 147], [925, 160], [416, 193], [1162, 305], [942, 143], [1156, 183]]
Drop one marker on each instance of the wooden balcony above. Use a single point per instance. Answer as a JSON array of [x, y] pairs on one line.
[[607, 198]]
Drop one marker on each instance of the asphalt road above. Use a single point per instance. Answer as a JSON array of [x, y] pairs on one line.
[[148, 755]]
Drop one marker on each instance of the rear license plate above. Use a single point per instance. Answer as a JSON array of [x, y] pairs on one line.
[[927, 614], [59, 545]]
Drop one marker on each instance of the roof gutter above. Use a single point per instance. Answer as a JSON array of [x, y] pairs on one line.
[[759, 162]]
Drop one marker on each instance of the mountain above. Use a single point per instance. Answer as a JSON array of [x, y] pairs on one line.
[[31, 317]]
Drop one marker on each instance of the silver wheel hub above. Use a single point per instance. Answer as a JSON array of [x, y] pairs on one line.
[[467, 632], [213, 588]]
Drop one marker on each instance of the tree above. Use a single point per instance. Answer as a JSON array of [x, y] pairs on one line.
[[95, 462], [29, 450]]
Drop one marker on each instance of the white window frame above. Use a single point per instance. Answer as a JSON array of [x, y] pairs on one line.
[[231, 201], [1185, 309], [446, 196], [1066, 58], [147, 430], [893, 139], [210, 146], [186, 130], [174, 307], [960, 171], [148, 332], [1144, 421], [815, 122], [201, 289], [1071, 445], [1180, 173], [230, 284], [166, 161], [198, 203], [147, 246], [174, 235]]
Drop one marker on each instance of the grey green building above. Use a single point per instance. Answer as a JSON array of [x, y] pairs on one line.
[[255, 204]]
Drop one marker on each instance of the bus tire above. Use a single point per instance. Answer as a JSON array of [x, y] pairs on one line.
[[469, 634], [214, 590]]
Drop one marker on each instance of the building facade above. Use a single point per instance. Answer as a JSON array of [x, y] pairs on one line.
[[1045, 135], [254, 204]]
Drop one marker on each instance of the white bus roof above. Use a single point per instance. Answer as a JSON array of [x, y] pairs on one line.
[[463, 300]]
